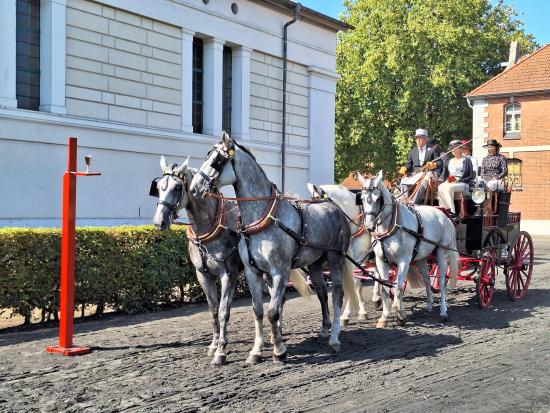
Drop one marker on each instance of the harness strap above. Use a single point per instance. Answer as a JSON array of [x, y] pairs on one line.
[[420, 230], [216, 228], [265, 220]]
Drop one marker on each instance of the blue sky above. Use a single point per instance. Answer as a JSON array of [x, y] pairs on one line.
[[535, 14]]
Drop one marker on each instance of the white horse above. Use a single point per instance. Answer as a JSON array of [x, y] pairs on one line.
[[360, 240], [394, 225]]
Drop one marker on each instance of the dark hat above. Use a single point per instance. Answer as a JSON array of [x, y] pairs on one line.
[[432, 142], [493, 142]]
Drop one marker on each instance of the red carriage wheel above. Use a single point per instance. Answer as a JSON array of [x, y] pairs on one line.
[[485, 283], [520, 266]]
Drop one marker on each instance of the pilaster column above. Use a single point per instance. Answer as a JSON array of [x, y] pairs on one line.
[[8, 42], [187, 80], [212, 87], [52, 56], [240, 98], [322, 91]]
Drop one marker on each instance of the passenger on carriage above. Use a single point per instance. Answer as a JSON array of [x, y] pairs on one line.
[[421, 165], [457, 175], [467, 153], [493, 166]]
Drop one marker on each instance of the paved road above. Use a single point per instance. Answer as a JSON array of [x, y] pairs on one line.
[[497, 360]]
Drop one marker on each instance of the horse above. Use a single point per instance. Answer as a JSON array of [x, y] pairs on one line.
[[406, 234], [360, 240], [277, 236], [212, 247]]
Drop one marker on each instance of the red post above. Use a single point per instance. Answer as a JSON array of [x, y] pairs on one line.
[[68, 244]]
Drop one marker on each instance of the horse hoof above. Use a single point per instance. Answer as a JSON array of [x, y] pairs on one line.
[[280, 358], [444, 318], [362, 317], [381, 323], [219, 360], [211, 351], [401, 321], [344, 321], [335, 347], [253, 359]]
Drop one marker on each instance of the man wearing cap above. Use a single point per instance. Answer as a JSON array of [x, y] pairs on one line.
[[420, 163], [493, 166]]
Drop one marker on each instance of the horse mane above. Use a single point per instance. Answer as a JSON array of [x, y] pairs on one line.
[[247, 151]]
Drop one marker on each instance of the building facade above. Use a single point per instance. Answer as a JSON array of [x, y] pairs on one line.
[[514, 108], [134, 80]]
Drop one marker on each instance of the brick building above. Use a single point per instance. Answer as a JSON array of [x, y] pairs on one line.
[[514, 108], [137, 79]]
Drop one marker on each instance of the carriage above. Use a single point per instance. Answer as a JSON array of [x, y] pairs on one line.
[[491, 244]]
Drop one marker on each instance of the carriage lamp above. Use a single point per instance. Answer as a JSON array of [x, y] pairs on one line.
[[88, 160], [478, 195]]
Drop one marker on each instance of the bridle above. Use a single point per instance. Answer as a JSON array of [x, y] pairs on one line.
[[223, 155], [378, 219], [181, 178]]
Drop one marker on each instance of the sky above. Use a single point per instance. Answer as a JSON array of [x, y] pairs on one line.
[[535, 14]]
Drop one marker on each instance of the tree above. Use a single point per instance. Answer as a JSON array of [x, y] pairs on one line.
[[407, 65]]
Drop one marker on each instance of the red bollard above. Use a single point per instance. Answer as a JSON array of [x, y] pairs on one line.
[[68, 243]]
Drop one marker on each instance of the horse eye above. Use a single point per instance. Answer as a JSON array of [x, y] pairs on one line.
[[178, 187]]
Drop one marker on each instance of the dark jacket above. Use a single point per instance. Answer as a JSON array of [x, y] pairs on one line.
[[468, 174], [414, 165]]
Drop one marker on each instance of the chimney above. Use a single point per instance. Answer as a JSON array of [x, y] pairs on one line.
[[515, 54]]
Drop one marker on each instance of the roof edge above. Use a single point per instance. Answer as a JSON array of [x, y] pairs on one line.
[[507, 94], [306, 14]]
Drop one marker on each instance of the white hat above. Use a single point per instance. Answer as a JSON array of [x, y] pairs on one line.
[[421, 132]]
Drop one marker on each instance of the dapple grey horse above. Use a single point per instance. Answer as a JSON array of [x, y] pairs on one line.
[[213, 245], [278, 236], [212, 248], [393, 224]]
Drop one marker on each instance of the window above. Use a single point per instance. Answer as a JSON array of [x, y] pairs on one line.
[[198, 74], [226, 93], [514, 173], [28, 54], [512, 119]]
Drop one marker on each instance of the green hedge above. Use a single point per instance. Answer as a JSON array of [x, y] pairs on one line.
[[129, 269]]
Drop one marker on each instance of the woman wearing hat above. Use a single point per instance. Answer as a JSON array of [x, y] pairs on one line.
[[493, 166], [457, 175]]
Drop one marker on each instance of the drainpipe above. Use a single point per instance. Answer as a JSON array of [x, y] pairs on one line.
[[297, 9]]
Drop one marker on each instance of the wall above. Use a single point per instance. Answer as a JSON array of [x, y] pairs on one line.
[[122, 67], [532, 147]]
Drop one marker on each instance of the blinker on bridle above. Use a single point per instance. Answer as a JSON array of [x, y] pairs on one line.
[[154, 191], [223, 155]]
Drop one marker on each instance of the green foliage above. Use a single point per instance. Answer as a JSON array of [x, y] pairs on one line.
[[129, 269], [407, 65]]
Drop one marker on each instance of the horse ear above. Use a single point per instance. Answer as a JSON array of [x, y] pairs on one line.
[[163, 163], [361, 179], [379, 178], [226, 140], [184, 165], [311, 189]]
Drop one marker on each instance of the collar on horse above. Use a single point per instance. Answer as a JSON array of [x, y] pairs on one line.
[[214, 231], [266, 219]]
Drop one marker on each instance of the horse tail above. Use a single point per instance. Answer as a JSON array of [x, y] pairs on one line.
[[299, 281], [453, 256], [348, 285]]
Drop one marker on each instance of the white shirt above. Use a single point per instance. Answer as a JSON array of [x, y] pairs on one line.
[[456, 167], [422, 154]]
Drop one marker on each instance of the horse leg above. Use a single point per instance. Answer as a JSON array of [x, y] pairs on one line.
[[229, 282], [344, 318], [274, 314], [255, 285], [376, 297], [423, 267], [442, 263], [337, 267], [383, 270], [316, 277], [208, 285], [358, 287], [402, 270]]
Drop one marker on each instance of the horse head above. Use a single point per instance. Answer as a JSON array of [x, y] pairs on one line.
[[172, 190], [217, 169], [372, 197]]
